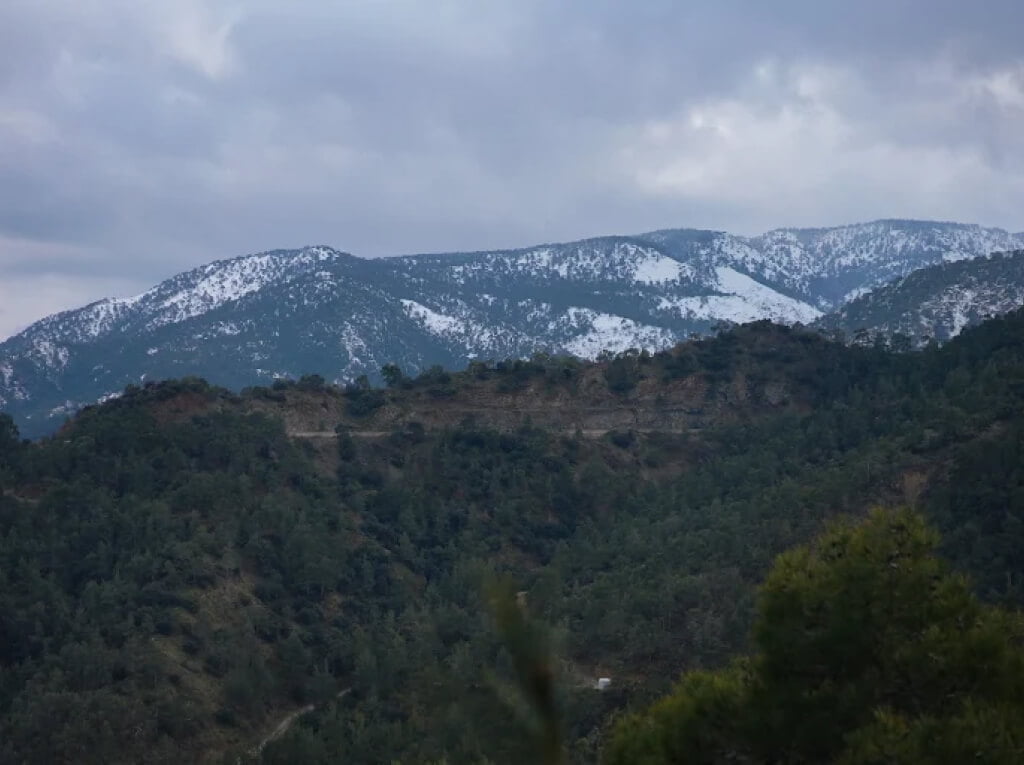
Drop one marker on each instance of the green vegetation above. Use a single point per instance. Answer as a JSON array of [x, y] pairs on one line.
[[178, 575], [867, 651], [157, 576]]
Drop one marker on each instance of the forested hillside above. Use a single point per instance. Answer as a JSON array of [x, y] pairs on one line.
[[184, 567], [868, 650]]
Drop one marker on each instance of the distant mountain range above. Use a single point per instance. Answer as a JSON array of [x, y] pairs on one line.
[[285, 313]]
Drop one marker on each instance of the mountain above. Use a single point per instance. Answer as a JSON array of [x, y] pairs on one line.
[[936, 302], [286, 313], [186, 570]]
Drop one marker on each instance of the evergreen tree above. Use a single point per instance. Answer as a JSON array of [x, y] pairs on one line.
[[867, 650]]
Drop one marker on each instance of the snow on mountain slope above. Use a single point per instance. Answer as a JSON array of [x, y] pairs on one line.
[[209, 287], [49, 359], [936, 302], [287, 312], [743, 299], [468, 330], [11, 387], [764, 300], [609, 260], [182, 297], [606, 332], [827, 265], [216, 284], [655, 268], [435, 322]]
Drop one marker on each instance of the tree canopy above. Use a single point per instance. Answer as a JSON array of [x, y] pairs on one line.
[[866, 650], [180, 569]]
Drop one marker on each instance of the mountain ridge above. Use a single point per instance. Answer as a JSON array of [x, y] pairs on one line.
[[936, 302], [283, 313]]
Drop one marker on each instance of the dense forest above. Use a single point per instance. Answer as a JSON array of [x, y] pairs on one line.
[[184, 568], [867, 651]]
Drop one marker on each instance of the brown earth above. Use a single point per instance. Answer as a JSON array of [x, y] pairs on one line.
[[585, 405]]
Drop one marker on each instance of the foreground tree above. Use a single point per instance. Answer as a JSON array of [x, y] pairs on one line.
[[867, 651]]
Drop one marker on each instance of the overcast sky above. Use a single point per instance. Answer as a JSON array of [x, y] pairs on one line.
[[142, 137]]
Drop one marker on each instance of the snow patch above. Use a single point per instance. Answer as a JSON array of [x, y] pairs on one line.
[[856, 293], [959, 317], [50, 354], [11, 384], [654, 268], [731, 308], [543, 259], [354, 345], [437, 323], [745, 300], [607, 332], [768, 302], [222, 283]]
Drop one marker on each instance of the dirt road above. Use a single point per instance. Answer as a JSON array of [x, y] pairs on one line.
[[286, 723], [586, 433]]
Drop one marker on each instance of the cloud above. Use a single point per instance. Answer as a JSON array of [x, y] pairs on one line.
[[41, 278], [806, 144], [198, 36], [142, 137], [1004, 86]]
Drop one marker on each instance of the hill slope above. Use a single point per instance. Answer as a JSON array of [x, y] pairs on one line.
[[936, 302], [205, 575], [286, 313]]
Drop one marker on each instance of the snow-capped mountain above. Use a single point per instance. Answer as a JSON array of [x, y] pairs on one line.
[[290, 312], [935, 302], [830, 266]]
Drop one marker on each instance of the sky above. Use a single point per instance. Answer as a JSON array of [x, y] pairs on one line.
[[140, 138]]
